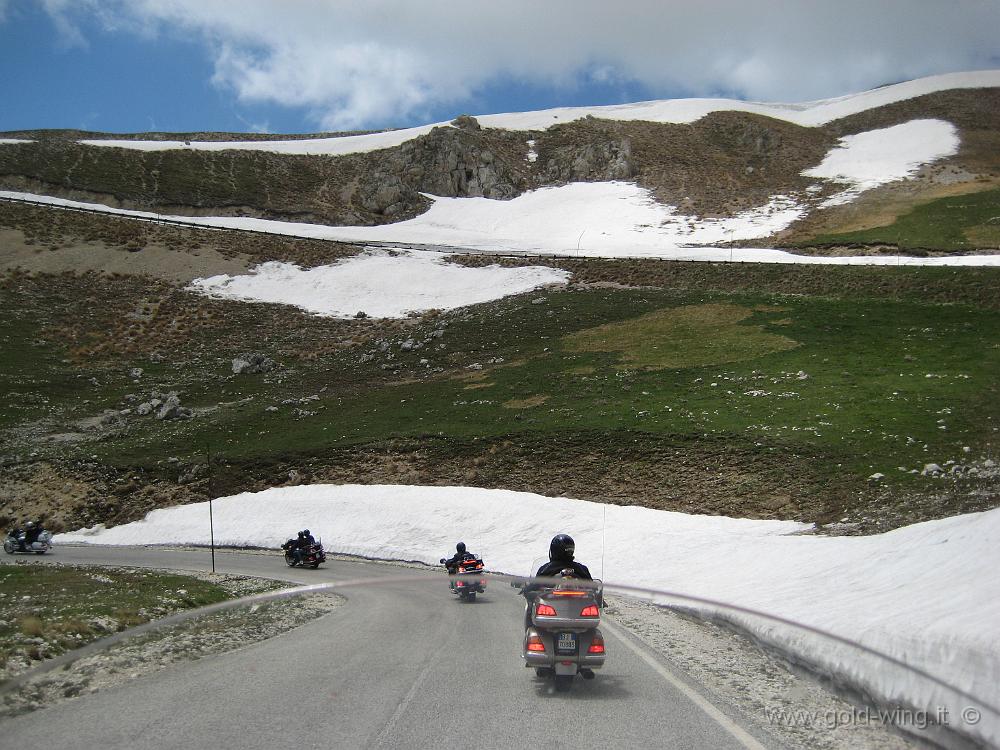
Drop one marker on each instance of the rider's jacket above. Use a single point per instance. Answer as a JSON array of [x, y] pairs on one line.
[[457, 558], [553, 569]]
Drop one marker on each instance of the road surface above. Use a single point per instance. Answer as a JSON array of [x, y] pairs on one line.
[[403, 664]]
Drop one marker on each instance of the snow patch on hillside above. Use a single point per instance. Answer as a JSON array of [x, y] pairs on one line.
[[679, 111], [876, 157], [379, 283], [927, 594], [606, 220]]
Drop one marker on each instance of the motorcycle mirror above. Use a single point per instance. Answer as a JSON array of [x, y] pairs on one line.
[[443, 561]]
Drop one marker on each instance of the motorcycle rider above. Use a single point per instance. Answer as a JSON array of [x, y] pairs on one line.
[[31, 533], [296, 546], [460, 554], [307, 537], [560, 564]]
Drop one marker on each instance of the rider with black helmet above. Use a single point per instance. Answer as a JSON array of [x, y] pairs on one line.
[[560, 564], [460, 555]]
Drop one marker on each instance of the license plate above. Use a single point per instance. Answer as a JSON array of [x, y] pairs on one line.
[[566, 643]]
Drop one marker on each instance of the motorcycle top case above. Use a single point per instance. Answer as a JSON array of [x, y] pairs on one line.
[[569, 608]]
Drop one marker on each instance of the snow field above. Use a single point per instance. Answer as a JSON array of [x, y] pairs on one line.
[[380, 283], [604, 220], [927, 594]]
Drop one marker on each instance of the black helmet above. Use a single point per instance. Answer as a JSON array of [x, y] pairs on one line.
[[305, 533], [301, 534], [29, 525], [460, 547], [562, 548]]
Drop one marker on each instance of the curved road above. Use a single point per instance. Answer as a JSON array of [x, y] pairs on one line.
[[403, 664]]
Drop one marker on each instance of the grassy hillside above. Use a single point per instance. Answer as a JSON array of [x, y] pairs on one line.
[[749, 390], [961, 222]]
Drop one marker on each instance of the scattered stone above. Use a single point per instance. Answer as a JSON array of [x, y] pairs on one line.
[[253, 363], [172, 409], [135, 373], [876, 477], [931, 470]]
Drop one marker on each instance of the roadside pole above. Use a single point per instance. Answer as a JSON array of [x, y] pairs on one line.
[[211, 522]]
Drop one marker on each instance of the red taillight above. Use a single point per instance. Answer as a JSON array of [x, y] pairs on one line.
[[590, 611], [596, 645], [459, 584], [535, 643], [545, 610]]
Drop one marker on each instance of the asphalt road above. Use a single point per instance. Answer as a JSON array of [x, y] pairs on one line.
[[402, 664]]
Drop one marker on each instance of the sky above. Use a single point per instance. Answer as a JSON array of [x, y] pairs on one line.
[[303, 66]]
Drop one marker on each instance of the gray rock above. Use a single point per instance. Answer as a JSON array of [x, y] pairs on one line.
[[931, 470], [253, 363], [144, 408], [466, 122], [172, 409]]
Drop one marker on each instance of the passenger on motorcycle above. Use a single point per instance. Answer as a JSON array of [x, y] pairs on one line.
[[560, 564], [297, 546]]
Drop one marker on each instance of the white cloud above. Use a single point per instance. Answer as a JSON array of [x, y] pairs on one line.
[[379, 62]]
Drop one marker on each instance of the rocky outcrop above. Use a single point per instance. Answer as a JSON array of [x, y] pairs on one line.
[[723, 163]]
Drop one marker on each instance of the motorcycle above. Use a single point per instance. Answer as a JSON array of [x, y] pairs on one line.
[[312, 555], [468, 579], [564, 639], [17, 542]]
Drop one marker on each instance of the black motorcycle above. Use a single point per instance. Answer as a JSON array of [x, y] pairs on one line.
[[467, 578]]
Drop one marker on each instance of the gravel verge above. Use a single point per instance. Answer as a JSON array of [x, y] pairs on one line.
[[794, 710], [144, 654]]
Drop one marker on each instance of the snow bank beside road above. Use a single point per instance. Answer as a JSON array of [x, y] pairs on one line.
[[927, 594], [380, 283]]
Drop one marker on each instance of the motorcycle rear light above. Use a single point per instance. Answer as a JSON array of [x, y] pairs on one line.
[[590, 611], [596, 646], [544, 610], [535, 644], [568, 592]]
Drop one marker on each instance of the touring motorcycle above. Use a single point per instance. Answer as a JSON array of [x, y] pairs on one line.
[[468, 579], [312, 555], [16, 541], [564, 639]]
